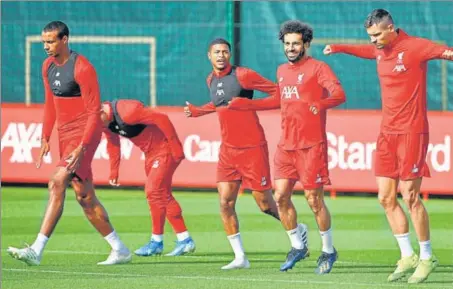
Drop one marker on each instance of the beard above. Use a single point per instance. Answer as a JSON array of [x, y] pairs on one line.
[[297, 58]]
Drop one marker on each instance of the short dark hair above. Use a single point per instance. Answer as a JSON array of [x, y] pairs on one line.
[[296, 26], [62, 28], [219, 41], [377, 16]]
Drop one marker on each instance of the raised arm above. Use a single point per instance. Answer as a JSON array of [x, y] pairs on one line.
[[366, 51], [429, 50]]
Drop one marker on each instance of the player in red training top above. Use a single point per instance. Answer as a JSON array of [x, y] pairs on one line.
[[403, 141], [155, 135], [307, 88], [72, 99], [243, 156]]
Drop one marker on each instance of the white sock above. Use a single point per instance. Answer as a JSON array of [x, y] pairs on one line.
[[236, 244], [114, 241], [40, 243], [157, 238], [295, 238], [405, 245], [327, 243], [182, 236], [425, 250]]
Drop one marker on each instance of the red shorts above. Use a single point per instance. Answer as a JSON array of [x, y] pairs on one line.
[[159, 171], [249, 165], [68, 145], [402, 156], [308, 166]]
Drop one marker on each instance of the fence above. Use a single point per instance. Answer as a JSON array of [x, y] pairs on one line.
[[156, 51]]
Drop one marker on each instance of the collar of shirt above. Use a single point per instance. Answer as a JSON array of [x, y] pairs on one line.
[[299, 63], [401, 35], [222, 73]]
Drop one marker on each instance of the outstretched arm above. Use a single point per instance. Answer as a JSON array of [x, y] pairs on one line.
[[195, 111], [431, 50], [366, 51]]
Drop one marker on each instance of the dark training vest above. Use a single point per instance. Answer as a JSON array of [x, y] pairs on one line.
[[223, 89], [118, 126], [62, 79]]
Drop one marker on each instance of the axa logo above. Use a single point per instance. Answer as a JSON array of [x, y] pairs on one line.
[[57, 83], [399, 67], [220, 92], [288, 92], [20, 139]]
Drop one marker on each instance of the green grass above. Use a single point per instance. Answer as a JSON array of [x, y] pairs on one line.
[[367, 250]]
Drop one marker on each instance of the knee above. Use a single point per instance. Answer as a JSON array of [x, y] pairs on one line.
[[57, 188], [157, 196], [411, 199], [387, 201], [282, 199], [56, 184], [226, 204], [85, 200], [314, 201]]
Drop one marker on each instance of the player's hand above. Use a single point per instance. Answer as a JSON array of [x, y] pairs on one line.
[[314, 109], [74, 159], [45, 148], [327, 50], [187, 109], [237, 103], [113, 181], [177, 151], [448, 54]]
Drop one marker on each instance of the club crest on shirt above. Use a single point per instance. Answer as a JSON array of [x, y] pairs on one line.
[[299, 78], [399, 67]]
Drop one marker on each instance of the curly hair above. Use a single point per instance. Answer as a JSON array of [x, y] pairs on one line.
[[296, 26]]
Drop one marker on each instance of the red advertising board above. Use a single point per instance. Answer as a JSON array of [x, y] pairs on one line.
[[351, 141]]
